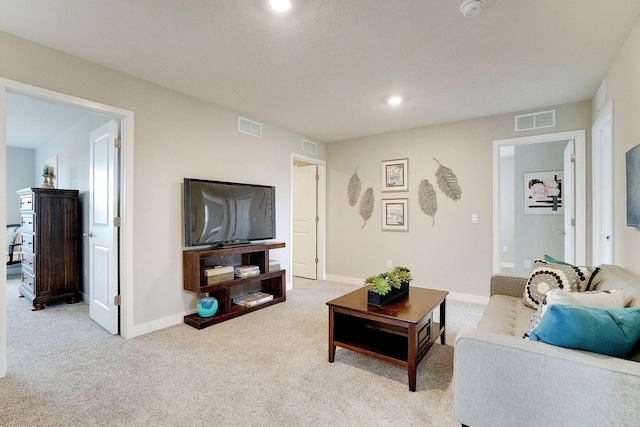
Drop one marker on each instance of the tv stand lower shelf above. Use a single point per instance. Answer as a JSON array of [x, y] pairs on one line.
[[199, 322], [195, 262]]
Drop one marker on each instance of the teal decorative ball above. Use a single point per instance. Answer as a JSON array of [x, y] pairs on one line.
[[207, 306]]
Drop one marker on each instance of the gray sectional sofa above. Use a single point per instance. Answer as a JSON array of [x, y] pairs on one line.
[[501, 379]]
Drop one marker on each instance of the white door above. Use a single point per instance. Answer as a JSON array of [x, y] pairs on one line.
[[602, 164], [305, 221], [568, 200], [102, 234]]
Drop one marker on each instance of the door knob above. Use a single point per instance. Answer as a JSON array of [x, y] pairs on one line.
[[561, 232], [89, 234]]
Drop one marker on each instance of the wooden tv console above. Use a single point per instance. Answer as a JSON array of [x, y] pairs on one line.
[[195, 262]]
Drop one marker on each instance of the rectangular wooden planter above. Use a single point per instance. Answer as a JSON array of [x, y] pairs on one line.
[[380, 300]]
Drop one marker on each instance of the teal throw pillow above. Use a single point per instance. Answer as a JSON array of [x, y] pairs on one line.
[[549, 258], [610, 331]]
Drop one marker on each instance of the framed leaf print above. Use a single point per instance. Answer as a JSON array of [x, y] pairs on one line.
[[395, 214], [395, 175]]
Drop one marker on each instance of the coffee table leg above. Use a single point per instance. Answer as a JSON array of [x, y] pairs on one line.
[[411, 356], [443, 307], [332, 347]]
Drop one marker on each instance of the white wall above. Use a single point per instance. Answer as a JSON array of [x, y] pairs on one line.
[[453, 254], [624, 89], [175, 137], [20, 167]]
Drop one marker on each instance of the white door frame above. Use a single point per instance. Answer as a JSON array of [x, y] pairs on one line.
[[126, 197], [580, 185], [602, 185], [322, 212]]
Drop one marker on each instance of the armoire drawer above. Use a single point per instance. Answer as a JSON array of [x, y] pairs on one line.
[[27, 223], [28, 262], [28, 243], [28, 280], [26, 202]]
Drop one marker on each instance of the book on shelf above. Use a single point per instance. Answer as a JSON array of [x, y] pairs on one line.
[[218, 274], [253, 299], [243, 271]]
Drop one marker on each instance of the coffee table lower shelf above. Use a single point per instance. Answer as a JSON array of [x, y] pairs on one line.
[[385, 345]]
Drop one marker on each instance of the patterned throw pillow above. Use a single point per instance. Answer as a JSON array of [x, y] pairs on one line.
[[546, 276], [615, 298]]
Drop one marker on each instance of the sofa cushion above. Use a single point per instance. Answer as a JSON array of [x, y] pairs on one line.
[[505, 315], [615, 298], [614, 277], [610, 331], [546, 276]]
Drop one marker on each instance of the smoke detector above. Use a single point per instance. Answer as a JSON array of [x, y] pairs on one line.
[[471, 7]]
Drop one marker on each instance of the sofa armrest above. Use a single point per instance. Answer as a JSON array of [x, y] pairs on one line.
[[512, 286], [506, 381]]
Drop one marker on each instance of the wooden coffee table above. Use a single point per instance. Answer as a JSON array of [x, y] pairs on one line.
[[400, 332]]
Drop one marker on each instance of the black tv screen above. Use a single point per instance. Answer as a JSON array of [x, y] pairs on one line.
[[223, 213]]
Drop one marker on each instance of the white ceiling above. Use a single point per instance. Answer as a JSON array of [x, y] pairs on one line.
[[31, 122], [324, 70]]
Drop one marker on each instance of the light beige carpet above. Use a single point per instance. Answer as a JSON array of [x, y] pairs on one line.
[[267, 368]]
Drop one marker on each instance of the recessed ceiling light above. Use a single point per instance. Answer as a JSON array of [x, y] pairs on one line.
[[394, 100], [280, 5]]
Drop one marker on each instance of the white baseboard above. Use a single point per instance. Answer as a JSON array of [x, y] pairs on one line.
[[158, 324], [177, 319], [345, 279], [469, 298]]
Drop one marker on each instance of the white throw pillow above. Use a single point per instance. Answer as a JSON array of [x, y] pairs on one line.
[[615, 298]]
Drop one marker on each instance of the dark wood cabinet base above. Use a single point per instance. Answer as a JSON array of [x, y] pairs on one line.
[[195, 262]]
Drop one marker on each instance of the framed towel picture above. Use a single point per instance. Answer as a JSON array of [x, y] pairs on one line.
[[395, 174], [543, 193], [633, 186], [395, 214]]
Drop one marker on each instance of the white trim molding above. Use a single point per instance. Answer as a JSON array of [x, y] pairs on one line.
[[126, 119]]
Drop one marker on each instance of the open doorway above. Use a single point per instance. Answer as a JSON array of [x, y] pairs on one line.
[[15, 96], [308, 217], [562, 157]]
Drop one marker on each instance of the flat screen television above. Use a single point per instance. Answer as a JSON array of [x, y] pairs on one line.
[[220, 213]]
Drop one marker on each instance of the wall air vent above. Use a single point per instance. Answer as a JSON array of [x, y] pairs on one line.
[[309, 146], [249, 127], [539, 120]]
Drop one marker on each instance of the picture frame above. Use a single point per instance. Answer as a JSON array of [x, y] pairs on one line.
[[543, 193], [395, 214], [395, 175], [632, 159]]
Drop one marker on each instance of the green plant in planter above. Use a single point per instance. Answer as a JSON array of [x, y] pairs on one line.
[[383, 282], [403, 274], [379, 284]]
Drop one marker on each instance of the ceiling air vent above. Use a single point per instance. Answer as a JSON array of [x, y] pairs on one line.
[[249, 127], [309, 147], [539, 120]]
